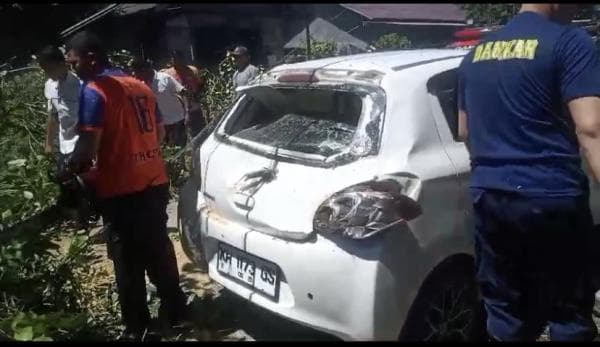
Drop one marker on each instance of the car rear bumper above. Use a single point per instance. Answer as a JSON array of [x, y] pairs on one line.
[[339, 287]]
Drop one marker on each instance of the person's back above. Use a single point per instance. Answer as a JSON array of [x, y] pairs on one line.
[[130, 147], [192, 80], [521, 138], [528, 98], [189, 77]]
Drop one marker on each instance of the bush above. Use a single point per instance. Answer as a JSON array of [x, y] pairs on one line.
[[219, 94], [392, 41], [48, 295], [25, 188], [44, 294], [320, 49]]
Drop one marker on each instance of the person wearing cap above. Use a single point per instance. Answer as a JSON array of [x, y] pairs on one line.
[[529, 107], [245, 71]]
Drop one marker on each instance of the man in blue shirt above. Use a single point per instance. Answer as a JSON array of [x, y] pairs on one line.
[[528, 99]]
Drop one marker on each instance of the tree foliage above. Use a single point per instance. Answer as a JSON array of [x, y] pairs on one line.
[[219, 93], [25, 187], [490, 14], [322, 49], [392, 41], [318, 49], [498, 14]]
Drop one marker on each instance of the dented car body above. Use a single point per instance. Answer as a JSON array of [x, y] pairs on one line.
[[333, 190]]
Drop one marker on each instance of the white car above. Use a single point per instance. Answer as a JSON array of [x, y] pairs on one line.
[[334, 193]]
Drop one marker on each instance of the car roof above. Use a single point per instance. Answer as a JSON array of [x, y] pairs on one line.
[[385, 62]]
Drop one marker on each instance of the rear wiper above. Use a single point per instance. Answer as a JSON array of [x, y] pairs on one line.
[[342, 129]]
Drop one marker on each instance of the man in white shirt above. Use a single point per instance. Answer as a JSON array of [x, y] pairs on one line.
[[245, 71], [169, 96], [62, 91]]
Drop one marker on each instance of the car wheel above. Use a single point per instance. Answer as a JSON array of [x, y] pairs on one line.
[[448, 307], [188, 225]]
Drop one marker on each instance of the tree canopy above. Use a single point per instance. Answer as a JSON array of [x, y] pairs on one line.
[[497, 14]]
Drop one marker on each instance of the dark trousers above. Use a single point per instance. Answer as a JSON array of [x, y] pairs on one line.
[[196, 122], [175, 134], [138, 242], [66, 197], [532, 265]]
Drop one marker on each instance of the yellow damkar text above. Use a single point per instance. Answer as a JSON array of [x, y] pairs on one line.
[[503, 50]]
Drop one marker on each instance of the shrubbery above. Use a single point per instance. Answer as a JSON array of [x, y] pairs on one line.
[[44, 294]]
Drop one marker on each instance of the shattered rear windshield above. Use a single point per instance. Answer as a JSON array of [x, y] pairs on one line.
[[311, 121]]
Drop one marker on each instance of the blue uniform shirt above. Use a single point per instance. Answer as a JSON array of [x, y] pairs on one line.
[[92, 104], [515, 87]]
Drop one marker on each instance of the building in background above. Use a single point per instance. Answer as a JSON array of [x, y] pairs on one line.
[[206, 31]]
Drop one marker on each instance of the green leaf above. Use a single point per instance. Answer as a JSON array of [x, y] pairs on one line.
[[43, 338], [17, 162], [6, 214], [24, 334], [16, 320]]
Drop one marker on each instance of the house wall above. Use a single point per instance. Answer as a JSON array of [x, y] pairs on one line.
[[177, 33]]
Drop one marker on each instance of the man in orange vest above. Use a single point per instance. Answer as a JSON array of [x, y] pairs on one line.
[[119, 124]]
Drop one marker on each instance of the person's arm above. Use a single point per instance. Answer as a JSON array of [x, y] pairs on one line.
[[179, 91], [579, 73], [51, 128], [586, 116], [463, 131], [92, 105]]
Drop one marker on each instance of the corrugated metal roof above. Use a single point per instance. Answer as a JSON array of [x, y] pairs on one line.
[[322, 30], [430, 13], [74, 28]]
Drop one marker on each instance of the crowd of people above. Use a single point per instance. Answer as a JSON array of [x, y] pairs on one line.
[[110, 127], [528, 101]]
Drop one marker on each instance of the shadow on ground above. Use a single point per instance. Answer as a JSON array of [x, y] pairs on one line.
[[222, 315]]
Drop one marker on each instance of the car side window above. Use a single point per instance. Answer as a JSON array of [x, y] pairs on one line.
[[444, 86]]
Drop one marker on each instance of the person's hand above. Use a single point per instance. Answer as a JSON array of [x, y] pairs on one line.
[[48, 148]]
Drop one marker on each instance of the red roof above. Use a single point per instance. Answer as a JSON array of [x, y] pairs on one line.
[[430, 13]]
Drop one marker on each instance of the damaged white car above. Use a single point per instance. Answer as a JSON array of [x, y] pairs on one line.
[[334, 193]]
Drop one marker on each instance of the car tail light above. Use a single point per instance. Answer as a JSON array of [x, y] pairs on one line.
[[336, 75], [366, 209], [326, 75], [298, 76]]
